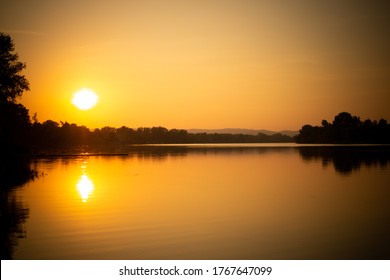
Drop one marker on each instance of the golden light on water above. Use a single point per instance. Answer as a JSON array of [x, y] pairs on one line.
[[85, 187]]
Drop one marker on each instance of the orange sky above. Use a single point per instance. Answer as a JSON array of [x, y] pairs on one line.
[[203, 64]]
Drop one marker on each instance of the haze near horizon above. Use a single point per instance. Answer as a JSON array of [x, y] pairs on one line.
[[203, 64]]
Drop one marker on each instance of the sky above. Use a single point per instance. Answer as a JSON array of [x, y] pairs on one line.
[[203, 63]]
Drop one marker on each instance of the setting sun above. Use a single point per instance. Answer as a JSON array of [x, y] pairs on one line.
[[84, 99]]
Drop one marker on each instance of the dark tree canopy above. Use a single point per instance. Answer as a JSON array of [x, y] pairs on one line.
[[346, 129], [12, 83], [14, 117]]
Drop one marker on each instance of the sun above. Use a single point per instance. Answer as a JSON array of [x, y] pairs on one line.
[[84, 99]]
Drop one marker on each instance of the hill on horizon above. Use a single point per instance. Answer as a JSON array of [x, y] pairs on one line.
[[290, 133]]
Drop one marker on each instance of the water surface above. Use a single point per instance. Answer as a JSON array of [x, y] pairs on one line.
[[211, 202]]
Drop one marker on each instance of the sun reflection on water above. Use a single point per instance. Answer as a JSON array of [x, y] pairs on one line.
[[85, 187]]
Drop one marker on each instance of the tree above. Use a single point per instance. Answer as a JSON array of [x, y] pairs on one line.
[[324, 123], [346, 129], [14, 118], [345, 119], [12, 83]]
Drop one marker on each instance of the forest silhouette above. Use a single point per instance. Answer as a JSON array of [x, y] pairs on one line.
[[346, 129]]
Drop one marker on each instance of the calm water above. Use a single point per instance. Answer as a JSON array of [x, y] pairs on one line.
[[210, 202]]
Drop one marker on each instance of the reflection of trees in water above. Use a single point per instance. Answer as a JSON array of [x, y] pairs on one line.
[[346, 159], [13, 216], [159, 151], [14, 172], [163, 152]]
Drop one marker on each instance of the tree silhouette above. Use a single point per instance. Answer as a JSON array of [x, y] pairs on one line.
[[346, 129], [14, 117], [15, 127], [12, 83]]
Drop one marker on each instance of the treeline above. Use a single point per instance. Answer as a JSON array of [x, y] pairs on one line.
[[346, 129], [51, 134], [36, 136]]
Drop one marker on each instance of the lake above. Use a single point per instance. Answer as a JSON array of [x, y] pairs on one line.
[[256, 201]]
